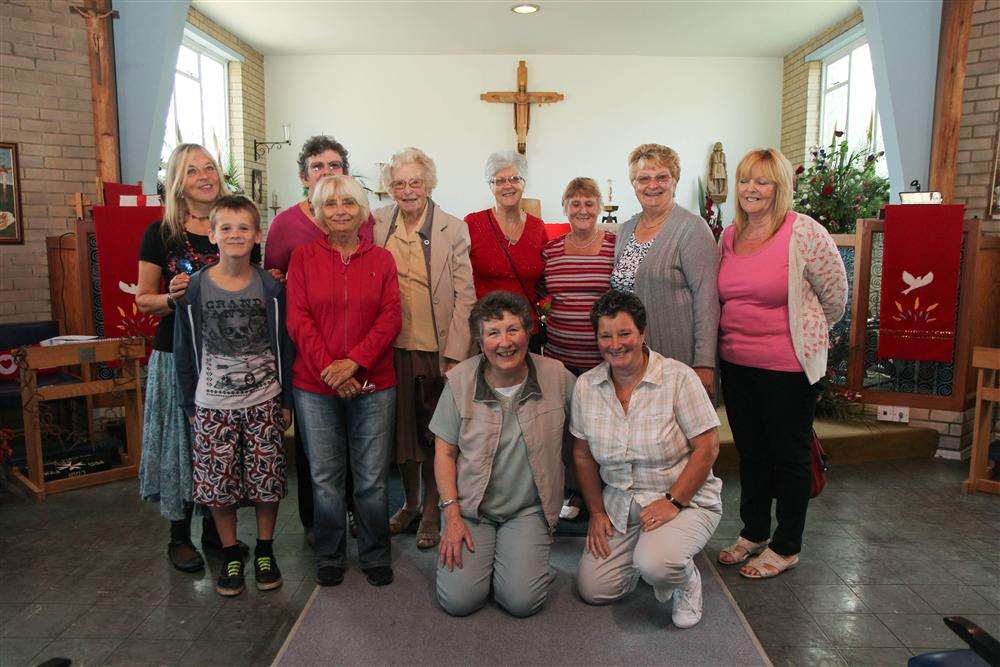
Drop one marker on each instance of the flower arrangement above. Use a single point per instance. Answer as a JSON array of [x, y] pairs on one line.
[[840, 186], [711, 215]]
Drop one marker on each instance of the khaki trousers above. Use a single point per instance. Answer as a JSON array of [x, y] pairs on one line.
[[513, 555], [662, 557]]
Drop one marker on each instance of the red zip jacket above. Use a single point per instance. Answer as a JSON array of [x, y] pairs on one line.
[[338, 311]]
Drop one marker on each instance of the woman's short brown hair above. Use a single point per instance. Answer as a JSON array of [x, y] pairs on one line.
[[654, 155], [493, 306], [581, 185]]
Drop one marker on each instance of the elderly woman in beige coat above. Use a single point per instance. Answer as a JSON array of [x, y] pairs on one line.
[[431, 249]]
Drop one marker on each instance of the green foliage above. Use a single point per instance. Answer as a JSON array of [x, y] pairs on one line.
[[840, 186]]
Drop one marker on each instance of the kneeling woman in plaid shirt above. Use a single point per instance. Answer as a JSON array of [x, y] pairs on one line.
[[644, 424]]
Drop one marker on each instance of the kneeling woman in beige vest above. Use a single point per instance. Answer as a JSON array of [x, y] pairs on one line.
[[499, 430]]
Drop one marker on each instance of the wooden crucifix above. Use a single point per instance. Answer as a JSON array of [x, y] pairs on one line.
[[522, 101]]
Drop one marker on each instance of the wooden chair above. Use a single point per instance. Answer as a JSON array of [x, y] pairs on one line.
[[986, 360], [125, 351]]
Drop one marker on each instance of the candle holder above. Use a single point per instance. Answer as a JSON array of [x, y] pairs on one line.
[[262, 148]]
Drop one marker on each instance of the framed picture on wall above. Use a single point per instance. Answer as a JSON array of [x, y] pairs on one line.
[[993, 207], [11, 220], [257, 186]]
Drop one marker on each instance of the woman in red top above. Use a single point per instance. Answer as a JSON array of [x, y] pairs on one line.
[[343, 315], [506, 251]]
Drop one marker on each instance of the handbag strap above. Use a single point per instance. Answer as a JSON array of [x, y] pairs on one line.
[[495, 228]]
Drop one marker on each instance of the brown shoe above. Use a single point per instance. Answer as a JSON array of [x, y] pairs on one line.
[[185, 557], [402, 520], [429, 532]]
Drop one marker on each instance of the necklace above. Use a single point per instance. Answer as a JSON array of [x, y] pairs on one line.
[[200, 218], [628, 394], [666, 215], [520, 227], [573, 244]]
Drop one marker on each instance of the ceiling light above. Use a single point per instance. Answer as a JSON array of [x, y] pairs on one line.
[[524, 9]]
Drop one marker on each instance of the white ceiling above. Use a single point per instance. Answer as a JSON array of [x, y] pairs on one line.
[[765, 28]]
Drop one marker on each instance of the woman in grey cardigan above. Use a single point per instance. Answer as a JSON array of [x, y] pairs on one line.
[[666, 256]]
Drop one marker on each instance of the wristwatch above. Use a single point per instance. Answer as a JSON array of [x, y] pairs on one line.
[[171, 304], [444, 503], [676, 503]]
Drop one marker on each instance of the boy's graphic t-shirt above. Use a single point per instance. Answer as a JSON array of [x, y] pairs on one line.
[[238, 369]]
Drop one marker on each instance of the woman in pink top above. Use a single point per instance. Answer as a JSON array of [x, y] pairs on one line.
[[296, 226], [782, 285]]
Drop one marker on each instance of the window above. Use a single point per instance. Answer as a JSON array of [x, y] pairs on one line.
[[198, 111], [848, 102]]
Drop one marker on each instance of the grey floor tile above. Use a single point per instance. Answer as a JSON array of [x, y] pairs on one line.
[[82, 652], [913, 571], [856, 631], [829, 598], [76, 590], [921, 630], [194, 593], [891, 598], [148, 652], [109, 622], [242, 623], [222, 653], [975, 572], [17, 651], [42, 620], [788, 630], [991, 593], [803, 656], [811, 571], [864, 571], [169, 622], [875, 656], [951, 600], [136, 593]]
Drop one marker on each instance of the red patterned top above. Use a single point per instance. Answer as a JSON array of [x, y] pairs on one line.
[[491, 270], [575, 282]]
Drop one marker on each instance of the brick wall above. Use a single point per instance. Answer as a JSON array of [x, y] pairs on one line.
[[45, 108], [980, 117], [800, 97], [246, 102]]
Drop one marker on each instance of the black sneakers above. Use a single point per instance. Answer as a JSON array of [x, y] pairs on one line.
[[379, 576], [330, 575], [231, 580], [266, 573]]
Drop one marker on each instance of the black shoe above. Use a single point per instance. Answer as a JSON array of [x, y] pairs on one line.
[[266, 573], [184, 556], [379, 576], [213, 546], [231, 578], [330, 575]]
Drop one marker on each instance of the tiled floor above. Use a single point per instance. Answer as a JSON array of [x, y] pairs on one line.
[[890, 548]]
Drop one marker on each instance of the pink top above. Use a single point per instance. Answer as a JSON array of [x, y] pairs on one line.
[[292, 228], [754, 329]]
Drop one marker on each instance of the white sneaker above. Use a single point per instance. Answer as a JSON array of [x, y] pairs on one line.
[[687, 601]]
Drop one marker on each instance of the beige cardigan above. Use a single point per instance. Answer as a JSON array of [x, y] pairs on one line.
[[450, 272]]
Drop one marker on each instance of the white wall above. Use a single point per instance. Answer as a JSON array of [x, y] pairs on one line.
[[375, 105]]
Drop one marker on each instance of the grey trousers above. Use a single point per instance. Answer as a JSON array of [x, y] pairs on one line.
[[513, 555], [662, 557]]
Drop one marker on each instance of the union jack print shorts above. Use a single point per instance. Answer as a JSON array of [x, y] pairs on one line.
[[238, 455]]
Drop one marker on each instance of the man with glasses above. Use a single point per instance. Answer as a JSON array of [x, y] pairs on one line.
[[320, 156]]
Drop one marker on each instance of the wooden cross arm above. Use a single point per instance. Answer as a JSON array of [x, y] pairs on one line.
[[522, 98]]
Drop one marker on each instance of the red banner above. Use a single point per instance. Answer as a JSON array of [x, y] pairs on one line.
[[920, 271], [119, 232]]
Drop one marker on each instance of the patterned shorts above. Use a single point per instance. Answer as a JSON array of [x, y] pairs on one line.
[[238, 455]]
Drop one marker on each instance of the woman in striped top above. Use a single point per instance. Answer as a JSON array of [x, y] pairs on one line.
[[577, 271]]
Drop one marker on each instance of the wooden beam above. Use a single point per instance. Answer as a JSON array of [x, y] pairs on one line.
[[98, 15], [953, 48]]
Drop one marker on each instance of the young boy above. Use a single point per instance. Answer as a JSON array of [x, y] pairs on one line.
[[233, 360]]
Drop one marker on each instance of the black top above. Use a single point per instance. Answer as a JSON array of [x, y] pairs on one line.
[[197, 250]]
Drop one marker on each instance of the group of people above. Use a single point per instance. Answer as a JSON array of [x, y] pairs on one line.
[[585, 363]]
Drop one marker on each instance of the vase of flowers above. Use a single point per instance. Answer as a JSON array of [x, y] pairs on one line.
[[840, 186]]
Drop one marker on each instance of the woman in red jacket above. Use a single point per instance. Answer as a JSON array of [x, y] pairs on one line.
[[343, 315]]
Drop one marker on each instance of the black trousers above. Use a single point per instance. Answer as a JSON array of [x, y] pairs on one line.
[[771, 416], [304, 488]]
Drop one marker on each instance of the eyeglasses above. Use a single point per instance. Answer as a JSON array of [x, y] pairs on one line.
[[661, 179], [513, 180], [414, 183], [317, 167]]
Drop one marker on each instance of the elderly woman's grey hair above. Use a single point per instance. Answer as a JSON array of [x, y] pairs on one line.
[[411, 155], [493, 306], [340, 185], [503, 159]]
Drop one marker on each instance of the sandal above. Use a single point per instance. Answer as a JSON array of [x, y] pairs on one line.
[[768, 564], [402, 520], [429, 532], [742, 550]]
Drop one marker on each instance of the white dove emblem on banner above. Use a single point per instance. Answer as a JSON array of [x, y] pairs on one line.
[[917, 282]]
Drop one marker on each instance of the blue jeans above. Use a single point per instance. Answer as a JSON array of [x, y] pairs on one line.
[[330, 427]]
